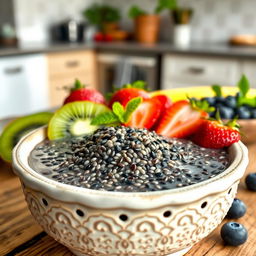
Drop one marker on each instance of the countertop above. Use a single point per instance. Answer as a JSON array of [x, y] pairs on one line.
[[21, 235], [207, 49]]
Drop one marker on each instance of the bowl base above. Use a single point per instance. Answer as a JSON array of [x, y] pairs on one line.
[[179, 253]]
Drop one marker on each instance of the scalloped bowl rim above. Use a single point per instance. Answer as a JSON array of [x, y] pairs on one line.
[[131, 200]]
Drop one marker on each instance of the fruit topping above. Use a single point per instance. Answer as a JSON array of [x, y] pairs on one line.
[[180, 120], [128, 92], [234, 233], [17, 128], [237, 209], [146, 115], [239, 105], [216, 134], [250, 181], [119, 114], [74, 119], [80, 93]]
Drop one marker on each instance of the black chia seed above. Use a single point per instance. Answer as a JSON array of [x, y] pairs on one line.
[[127, 159]]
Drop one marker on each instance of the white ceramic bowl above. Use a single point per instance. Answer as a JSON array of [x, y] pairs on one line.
[[91, 222]]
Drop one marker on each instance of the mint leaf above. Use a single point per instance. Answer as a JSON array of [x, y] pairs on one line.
[[243, 86], [131, 107], [105, 118], [118, 110], [217, 90], [248, 101]]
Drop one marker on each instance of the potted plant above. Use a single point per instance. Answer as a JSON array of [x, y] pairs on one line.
[[181, 17], [105, 17], [146, 24]]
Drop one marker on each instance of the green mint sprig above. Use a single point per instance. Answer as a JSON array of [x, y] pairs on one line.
[[244, 87], [217, 90], [119, 114]]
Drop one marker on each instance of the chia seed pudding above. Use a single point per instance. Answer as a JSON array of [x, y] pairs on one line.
[[126, 159]]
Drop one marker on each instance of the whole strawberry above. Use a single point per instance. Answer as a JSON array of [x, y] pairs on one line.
[[215, 134], [128, 92], [80, 93]]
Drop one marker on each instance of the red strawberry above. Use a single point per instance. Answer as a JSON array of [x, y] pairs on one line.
[[215, 134], [126, 94], [80, 93], [165, 101], [180, 120], [146, 114]]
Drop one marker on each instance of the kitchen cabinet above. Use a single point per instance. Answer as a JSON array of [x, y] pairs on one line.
[[65, 67], [181, 71], [23, 85]]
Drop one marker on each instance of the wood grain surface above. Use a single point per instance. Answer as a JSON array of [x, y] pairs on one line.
[[21, 235]]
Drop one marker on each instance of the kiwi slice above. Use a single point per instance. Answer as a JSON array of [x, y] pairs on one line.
[[18, 128], [74, 119]]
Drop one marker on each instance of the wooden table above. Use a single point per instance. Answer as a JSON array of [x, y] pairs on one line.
[[21, 235]]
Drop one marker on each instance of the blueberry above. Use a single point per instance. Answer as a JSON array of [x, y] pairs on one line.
[[230, 101], [250, 181], [237, 209], [243, 112], [210, 100], [234, 233], [219, 99], [226, 113]]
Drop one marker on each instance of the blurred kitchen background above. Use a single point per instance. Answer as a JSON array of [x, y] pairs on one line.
[[45, 45]]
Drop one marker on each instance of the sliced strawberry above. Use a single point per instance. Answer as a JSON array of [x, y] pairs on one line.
[[126, 94], [165, 101], [146, 114], [80, 93], [214, 134], [180, 120]]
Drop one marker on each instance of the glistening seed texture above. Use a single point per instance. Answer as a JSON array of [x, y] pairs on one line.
[[126, 159]]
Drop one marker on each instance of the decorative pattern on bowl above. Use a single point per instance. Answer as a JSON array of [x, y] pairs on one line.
[[98, 223]]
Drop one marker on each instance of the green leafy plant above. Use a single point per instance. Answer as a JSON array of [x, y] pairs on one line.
[[119, 114], [136, 11], [98, 14], [166, 4]]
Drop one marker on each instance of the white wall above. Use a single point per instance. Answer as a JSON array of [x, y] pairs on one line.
[[34, 17], [214, 20]]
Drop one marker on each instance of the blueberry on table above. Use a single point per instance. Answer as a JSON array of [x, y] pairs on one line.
[[210, 100], [243, 112], [237, 209], [250, 181], [226, 112], [234, 233], [230, 101]]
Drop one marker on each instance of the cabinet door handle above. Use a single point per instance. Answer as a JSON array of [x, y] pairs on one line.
[[72, 64], [13, 70], [196, 70]]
